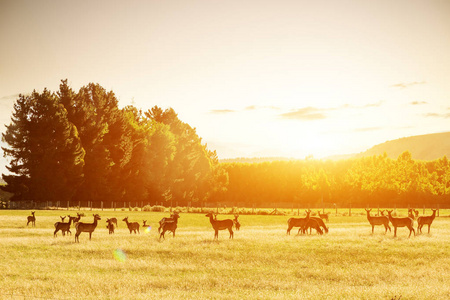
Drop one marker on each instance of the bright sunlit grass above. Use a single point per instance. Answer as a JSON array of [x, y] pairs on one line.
[[262, 262]]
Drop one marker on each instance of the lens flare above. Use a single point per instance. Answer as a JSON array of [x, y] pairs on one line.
[[119, 255], [147, 230]]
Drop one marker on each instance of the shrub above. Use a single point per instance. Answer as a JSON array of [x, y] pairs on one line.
[[158, 208]]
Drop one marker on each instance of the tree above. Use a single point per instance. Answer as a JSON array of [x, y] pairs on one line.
[[45, 150], [93, 110]]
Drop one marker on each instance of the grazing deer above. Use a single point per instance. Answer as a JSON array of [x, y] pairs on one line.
[[110, 225], [220, 225], [236, 222], [425, 220], [323, 216], [163, 220], [298, 222], [170, 226], [401, 222], [64, 227], [86, 227], [133, 226], [319, 221], [312, 223], [32, 219], [381, 220]]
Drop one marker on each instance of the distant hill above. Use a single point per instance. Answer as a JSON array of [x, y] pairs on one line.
[[422, 147]]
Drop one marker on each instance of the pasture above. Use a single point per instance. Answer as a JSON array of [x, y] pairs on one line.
[[261, 262]]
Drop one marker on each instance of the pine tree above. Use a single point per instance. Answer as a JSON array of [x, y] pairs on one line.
[[46, 155]]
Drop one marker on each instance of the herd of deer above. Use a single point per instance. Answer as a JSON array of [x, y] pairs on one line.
[[407, 222], [170, 223]]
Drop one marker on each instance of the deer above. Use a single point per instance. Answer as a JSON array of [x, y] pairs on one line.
[[426, 220], [77, 218], [62, 218], [64, 227], [114, 220], [86, 227], [133, 226], [381, 220], [169, 226], [323, 216], [110, 225], [163, 220], [312, 223], [236, 222], [298, 222], [401, 222], [382, 212], [32, 219], [220, 225], [319, 221]]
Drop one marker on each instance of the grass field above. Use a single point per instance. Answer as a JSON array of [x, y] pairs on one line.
[[262, 262]]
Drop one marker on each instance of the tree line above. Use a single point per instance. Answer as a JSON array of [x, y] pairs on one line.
[[81, 146], [359, 182]]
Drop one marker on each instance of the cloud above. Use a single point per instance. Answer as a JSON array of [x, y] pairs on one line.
[[305, 114], [10, 97], [368, 129], [407, 85], [418, 102], [255, 107], [221, 111], [436, 115]]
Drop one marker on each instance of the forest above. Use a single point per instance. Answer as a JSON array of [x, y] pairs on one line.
[[80, 146]]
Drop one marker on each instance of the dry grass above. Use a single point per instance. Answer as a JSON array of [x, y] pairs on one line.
[[260, 263]]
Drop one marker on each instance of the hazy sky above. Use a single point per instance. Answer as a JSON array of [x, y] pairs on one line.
[[256, 78]]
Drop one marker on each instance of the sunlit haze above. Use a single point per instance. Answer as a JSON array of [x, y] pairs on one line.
[[255, 78]]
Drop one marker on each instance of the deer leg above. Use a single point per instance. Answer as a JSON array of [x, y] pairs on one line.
[[395, 231], [231, 232], [373, 227], [90, 234], [429, 225]]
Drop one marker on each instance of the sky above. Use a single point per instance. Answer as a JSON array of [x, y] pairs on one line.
[[255, 78]]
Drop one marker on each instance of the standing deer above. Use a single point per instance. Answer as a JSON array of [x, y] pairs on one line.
[[86, 227], [163, 220], [133, 226], [114, 220], [110, 225], [236, 222], [32, 219], [144, 224], [170, 226], [401, 222], [298, 222], [323, 216], [220, 225], [77, 218], [425, 220], [64, 227], [381, 220]]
